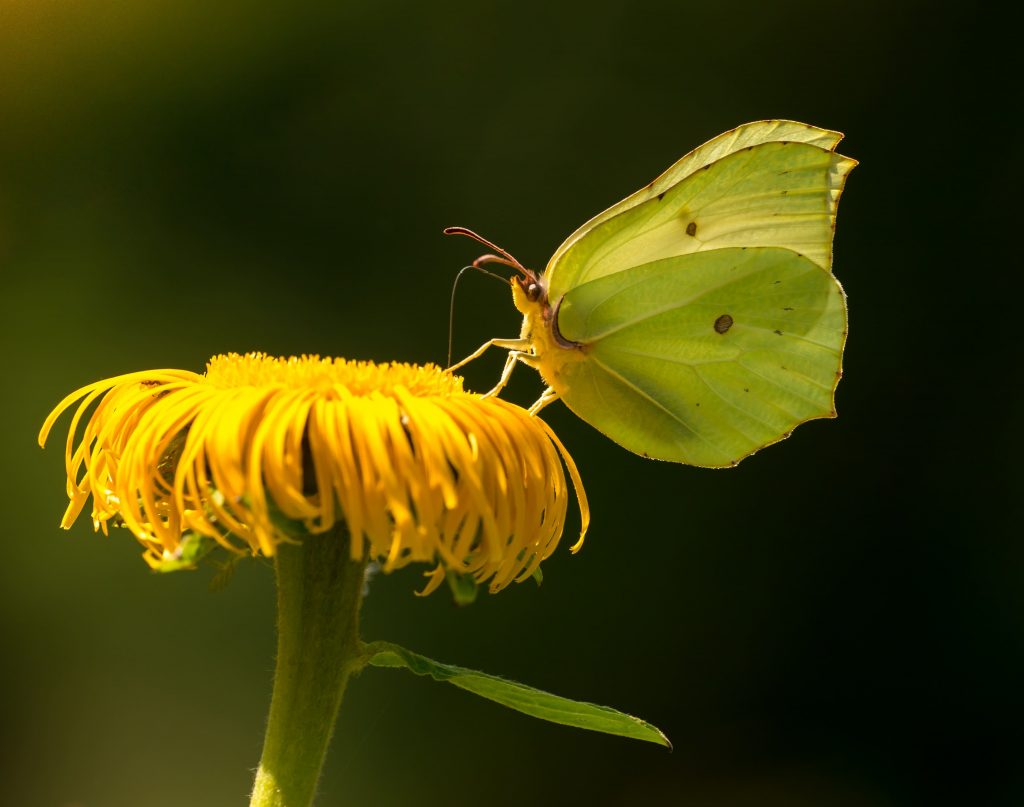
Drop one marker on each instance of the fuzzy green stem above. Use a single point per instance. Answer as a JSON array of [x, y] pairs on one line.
[[319, 589]]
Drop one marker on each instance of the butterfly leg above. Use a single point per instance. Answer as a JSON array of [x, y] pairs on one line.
[[548, 396], [514, 357], [507, 344]]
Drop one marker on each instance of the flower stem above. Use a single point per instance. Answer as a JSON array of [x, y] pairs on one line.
[[319, 589]]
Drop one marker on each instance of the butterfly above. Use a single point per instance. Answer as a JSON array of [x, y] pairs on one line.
[[697, 320]]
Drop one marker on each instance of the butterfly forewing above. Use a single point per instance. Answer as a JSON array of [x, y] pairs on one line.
[[774, 194], [745, 136]]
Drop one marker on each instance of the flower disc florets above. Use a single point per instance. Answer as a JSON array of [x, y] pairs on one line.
[[261, 450]]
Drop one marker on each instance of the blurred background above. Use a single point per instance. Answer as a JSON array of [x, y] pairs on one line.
[[838, 621]]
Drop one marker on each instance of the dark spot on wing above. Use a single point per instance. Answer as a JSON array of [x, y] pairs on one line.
[[723, 323], [691, 228]]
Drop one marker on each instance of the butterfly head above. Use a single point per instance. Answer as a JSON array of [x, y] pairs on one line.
[[529, 292]]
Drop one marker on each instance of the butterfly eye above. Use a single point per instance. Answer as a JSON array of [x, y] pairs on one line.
[[533, 292]]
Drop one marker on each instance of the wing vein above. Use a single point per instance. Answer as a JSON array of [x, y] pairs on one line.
[[658, 404], [822, 345], [775, 383], [772, 427]]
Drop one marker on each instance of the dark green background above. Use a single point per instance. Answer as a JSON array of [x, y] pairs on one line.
[[836, 622]]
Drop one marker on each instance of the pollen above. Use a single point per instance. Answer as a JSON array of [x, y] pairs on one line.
[[261, 450]]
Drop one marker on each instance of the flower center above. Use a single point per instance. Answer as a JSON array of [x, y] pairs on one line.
[[229, 371]]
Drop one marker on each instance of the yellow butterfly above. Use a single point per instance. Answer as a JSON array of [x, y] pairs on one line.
[[697, 320]]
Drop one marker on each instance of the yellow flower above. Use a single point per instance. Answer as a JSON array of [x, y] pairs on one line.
[[257, 446]]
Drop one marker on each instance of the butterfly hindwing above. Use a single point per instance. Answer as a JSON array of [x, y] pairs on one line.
[[703, 358]]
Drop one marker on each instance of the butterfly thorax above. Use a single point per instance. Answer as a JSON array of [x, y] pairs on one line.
[[540, 328]]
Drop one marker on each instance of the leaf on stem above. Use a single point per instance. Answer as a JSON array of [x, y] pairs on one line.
[[522, 698]]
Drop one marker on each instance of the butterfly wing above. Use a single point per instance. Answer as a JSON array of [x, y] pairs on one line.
[[702, 358], [773, 183]]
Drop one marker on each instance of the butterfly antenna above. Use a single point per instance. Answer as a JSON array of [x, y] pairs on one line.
[[503, 256], [451, 306]]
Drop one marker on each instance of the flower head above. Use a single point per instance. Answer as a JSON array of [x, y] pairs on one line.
[[259, 449]]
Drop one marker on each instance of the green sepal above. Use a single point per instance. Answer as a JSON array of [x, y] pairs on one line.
[[196, 549], [464, 587], [192, 549], [520, 697], [292, 527], [295, 528]]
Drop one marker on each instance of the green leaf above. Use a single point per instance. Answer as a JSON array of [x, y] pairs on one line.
[[520, 697]]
